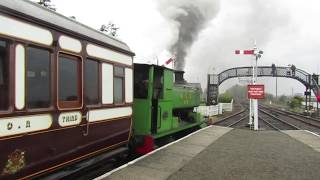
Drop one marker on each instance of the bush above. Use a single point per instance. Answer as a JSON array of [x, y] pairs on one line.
[[295, 102], [225, 98]]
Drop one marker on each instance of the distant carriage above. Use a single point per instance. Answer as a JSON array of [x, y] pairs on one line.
[[66, 91]]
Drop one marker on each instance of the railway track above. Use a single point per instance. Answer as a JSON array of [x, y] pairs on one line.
[[268, 124], [275, 122], [273, 119], [298, 121], [291, 113], [234, 120]]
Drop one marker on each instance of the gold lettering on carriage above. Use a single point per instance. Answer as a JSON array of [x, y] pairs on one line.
[[69, 118], [11, 127], [24, 124]]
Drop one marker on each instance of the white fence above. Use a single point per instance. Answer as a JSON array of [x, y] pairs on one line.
[[214, 110], [226, 106], [208, 110]]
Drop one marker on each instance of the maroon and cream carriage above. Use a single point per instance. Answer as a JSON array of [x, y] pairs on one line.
[[65, 91]]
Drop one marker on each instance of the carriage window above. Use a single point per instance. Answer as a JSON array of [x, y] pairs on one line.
[[4, 76], [69, 81], [91, 78], [118, 87], [38, 78]]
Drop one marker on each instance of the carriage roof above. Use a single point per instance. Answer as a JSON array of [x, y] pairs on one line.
[[55, 19]]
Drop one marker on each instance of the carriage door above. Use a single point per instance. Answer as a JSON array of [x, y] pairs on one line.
[[91, 82], [69, 89], [91, 86]]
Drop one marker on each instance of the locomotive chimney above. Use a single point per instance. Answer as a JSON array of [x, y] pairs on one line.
[[178, 75]]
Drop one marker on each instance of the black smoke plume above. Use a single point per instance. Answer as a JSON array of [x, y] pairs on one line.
[[190, 18]]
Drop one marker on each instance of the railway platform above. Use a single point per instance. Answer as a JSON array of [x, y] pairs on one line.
[[225, 153]]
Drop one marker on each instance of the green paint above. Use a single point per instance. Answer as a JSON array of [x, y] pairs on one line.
[[142, 116], [185, 97], [163, 97]]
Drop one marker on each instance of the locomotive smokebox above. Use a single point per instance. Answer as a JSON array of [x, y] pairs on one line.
[[178, 75]]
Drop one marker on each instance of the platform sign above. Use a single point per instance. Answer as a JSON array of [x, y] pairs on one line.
[[256, 91]]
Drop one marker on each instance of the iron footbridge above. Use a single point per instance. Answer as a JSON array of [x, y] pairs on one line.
[[308, 80]]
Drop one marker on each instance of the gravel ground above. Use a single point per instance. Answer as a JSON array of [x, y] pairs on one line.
[[250, 155]]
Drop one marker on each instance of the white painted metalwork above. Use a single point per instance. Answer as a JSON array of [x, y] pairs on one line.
[[69, 118], [25, 31], [255, 101], [214, 109], [107, 83], [109, 55], [128, 85], [24, 124], [111, 113], [70, 44], [207, 110], [20, 77]]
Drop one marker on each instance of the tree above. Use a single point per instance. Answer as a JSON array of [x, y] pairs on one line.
[[47, 4], [268, 97], [283, 99], [238, 92], [110, 29]]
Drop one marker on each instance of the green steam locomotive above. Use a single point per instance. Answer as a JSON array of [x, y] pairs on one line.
[[163, 104]]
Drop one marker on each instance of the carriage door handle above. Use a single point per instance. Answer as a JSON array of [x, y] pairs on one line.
[[86, 117]]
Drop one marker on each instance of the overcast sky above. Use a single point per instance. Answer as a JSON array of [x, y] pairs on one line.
[[288, 31]]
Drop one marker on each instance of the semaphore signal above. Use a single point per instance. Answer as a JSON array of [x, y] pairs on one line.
[[246, 52], [170, 60], [253, 100]]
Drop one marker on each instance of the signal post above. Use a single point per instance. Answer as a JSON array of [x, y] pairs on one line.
[[256, 91]]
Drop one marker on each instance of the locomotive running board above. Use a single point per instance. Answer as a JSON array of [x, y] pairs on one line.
[[73, 169]]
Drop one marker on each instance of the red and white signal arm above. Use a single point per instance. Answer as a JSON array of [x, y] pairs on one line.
[[246, 52], [256, 91]]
